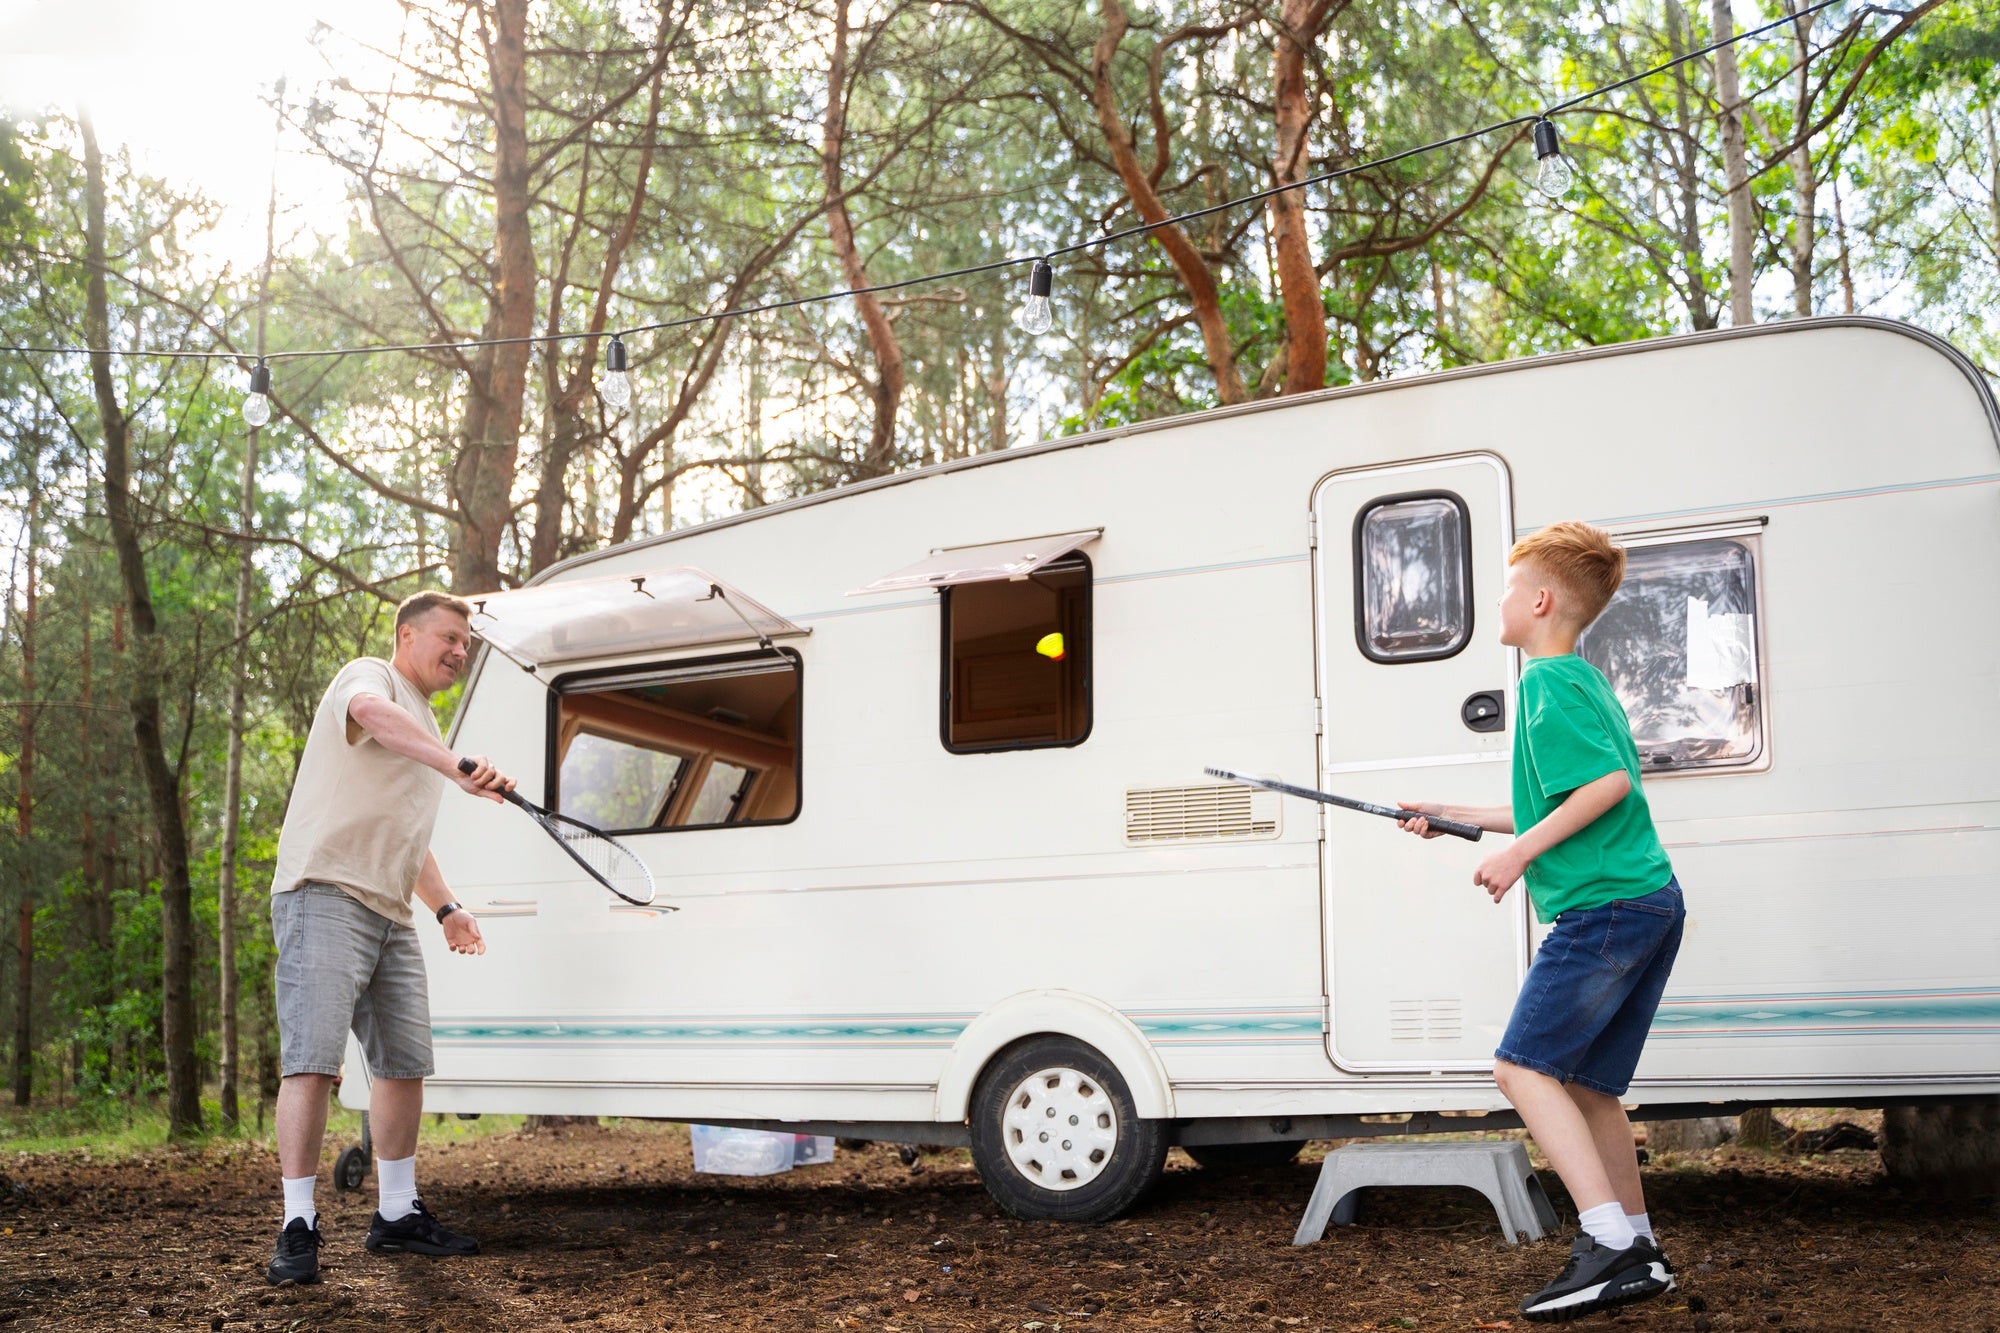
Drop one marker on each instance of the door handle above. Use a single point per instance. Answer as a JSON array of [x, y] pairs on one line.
[[1484, 711]]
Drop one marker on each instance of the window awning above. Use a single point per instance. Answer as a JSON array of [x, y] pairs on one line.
[[982, 564], [664, 609]]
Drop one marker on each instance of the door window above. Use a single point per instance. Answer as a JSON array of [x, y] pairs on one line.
[[1413, 577]]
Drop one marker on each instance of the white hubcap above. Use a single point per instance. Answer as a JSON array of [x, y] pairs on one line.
[[1061, 1128]]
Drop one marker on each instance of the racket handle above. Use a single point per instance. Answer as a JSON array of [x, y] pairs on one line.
[[1470, 832], [467, 767]]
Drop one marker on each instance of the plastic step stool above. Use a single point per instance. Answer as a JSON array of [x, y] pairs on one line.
[[1500, 1171]]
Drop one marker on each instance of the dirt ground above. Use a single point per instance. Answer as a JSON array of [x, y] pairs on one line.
[[610, 1228]]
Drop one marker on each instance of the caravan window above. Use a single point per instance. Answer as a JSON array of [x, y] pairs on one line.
[[681, 745], [1017, 660], [1413, 577], [1679, 645]]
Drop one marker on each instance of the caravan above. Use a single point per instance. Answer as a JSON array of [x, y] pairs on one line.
[[920, 762]]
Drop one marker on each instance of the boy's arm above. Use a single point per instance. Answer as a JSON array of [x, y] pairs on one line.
[[1500, 871], [1492, 818]]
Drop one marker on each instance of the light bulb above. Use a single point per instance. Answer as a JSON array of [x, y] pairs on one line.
[[616, 387], [1033, 315], [257, 407], [1553, 173]]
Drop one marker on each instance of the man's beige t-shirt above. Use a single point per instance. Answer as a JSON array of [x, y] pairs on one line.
[[361, 814]]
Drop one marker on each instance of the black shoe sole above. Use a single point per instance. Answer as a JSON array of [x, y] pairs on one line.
[[1565, 1313], [376, 1246], [305, 1281]]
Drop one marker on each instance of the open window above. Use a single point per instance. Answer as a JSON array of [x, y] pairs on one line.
[[1016, 655], [1017, 660], [681, 745], [1679, 645], [1413, 577]]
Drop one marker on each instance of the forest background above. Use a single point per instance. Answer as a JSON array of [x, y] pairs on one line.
[[181, 586]]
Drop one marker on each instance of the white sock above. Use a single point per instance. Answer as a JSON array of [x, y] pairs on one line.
[[299, 1199], [1642, 1225], [1607, 1226], [398, 1184]]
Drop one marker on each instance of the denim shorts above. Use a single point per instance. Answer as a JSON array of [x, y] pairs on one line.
[[341, 966], [1590, 996]]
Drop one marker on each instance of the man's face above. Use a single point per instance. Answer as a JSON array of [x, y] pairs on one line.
[[431, 650]]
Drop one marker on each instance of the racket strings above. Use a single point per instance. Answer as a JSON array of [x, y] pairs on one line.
[[624, 872]]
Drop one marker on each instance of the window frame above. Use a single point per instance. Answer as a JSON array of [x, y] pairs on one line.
[[1361, 642], [1086, 664], [561, 685], [1749, 533]]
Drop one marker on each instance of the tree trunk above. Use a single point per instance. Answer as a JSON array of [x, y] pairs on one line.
[[1688, 181], [143, 697], [1694, 1134], [1952, 1150], [1298, 280], [1735, 169], [885, 391], [1805, 186], [24, 812], [1757, 1128], [1188, 262], [483, 474]]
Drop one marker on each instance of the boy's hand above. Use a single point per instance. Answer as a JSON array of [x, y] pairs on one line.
[[1419, 825], [1500, 872]]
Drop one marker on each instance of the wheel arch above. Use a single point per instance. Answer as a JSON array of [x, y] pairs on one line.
[[1055, 1013]]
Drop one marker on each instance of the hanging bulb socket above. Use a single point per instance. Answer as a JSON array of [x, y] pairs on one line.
[[257, 407], [616, 387], [1553, 173], [1033, 315]]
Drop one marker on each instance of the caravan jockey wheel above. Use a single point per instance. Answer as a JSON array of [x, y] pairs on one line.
[[1055, 1134]]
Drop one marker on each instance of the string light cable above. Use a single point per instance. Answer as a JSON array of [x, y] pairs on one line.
[[1555, 176]]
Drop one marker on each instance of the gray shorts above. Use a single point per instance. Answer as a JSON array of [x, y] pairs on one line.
[[341, 966]]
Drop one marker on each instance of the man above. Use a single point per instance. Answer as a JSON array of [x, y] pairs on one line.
[[355, 847]]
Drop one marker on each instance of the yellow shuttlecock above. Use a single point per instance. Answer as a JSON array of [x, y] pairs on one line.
[[1051, 646]]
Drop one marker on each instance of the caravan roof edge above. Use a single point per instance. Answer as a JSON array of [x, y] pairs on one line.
[[1817, 322]]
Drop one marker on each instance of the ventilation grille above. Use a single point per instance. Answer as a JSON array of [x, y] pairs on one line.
[[1223, 811], [1423, 1020]]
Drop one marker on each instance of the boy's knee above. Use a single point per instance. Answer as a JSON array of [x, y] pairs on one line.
[[1510, 1077]]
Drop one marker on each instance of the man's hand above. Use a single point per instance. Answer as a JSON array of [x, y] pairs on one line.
[[1500, 871], [484, 779], [1420, 825], [461, 933]]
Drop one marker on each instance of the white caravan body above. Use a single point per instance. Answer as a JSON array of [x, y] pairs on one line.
[[1254, 966]]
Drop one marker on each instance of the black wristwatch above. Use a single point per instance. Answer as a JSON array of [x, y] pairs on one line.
[[447, 910]]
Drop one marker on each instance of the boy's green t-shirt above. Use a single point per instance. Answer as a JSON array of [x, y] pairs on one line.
[[1572, 731]]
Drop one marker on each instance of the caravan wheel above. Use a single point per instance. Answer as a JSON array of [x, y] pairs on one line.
[[1055, 1134]]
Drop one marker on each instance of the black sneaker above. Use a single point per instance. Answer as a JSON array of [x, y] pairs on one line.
[[1596, 1278], [296, 1259], [1661, 1256], [417, 1233]]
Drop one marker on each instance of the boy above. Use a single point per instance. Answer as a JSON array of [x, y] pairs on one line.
[[1595, 868]]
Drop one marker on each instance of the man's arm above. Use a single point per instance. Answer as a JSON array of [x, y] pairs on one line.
[[1498, 872], [461, 928], [398, 732]]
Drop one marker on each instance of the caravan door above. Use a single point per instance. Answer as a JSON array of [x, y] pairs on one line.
[[1416, 702]]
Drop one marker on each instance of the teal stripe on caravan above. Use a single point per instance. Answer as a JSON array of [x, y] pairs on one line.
[[1184, 1027], [1895, 1013]]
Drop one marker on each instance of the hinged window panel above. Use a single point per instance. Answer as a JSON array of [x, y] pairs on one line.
[[991, 563]]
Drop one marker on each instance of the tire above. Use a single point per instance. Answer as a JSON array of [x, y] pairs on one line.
[[1232, 1157], [1026, 1098], [350, 1169]]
